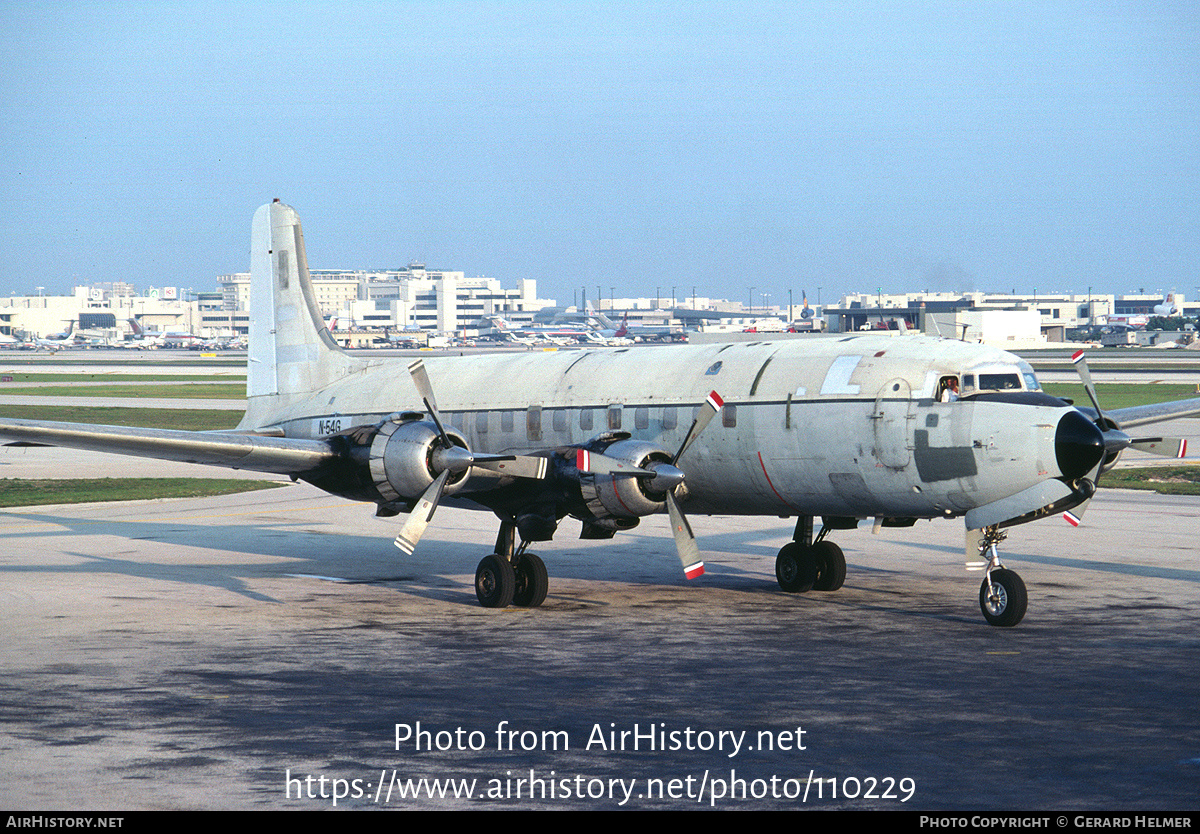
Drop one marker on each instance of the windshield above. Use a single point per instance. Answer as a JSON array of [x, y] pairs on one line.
[[1002, 377]]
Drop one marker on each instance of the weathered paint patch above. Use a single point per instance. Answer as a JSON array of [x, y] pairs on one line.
[[942, 463], [837, 378]]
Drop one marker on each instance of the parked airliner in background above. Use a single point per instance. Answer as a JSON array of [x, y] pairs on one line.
[[1169, 307], [842, 428]]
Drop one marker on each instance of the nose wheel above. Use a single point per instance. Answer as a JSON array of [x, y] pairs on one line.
[[1002, 598], [1002, 595]]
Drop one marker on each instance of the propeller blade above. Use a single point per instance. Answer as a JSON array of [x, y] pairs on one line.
[[1080, 362], [594, 463], [712, 404], [685, 539], [1074, 516], [1168, 447], [420, 378], [421, 515], [516, 466]]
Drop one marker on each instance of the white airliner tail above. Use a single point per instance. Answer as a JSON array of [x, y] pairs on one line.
[[291, 353]]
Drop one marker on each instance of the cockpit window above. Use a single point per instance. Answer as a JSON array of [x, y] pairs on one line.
[[1031, 380], [999, 382]]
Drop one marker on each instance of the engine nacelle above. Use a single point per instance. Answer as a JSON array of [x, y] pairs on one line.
[[403, 460], [623, 496]]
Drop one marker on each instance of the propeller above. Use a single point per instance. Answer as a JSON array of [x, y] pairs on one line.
[[666, 478], [450, 459], [1115, 440]]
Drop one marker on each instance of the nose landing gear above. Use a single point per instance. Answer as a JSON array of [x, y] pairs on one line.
[[1002, 596]]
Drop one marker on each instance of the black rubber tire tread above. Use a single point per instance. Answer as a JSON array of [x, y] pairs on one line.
[[495, 582], [532, 581]]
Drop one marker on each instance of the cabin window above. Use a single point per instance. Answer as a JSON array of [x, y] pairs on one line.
[[533, 422], [560, 419], [481, 422], [729, 416], [670, 418], [585, 419], [614, 417], [506, 421], [641, 418]]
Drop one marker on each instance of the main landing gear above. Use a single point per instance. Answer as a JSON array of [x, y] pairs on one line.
[[1002, 596], [807, 565], [510, 576]]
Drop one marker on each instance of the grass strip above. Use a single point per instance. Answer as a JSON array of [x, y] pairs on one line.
[[189, 419], [203, 390], [21, 492], [1167, 480], [19, 376], [1117, 395]]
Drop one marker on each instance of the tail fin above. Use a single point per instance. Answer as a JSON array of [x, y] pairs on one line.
[[291, 354]]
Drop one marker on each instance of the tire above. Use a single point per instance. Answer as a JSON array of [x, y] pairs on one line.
[[495, 582], [831, 566], [796, 568], [531, 581], [1007, 607]]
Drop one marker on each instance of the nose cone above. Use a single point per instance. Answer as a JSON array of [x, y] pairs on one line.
[[1078, 445]]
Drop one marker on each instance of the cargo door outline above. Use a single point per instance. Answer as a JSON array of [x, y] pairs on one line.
[[893, 417]]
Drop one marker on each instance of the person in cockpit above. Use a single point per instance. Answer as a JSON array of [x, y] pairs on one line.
[[949, 389]]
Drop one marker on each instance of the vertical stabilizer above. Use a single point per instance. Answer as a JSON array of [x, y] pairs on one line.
[[291, 354]]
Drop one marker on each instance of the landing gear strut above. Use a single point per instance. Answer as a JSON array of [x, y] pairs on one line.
[[510, 576], [807, 565], [1002, 596]]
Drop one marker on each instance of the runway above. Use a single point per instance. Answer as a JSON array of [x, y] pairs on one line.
[[201, 653]]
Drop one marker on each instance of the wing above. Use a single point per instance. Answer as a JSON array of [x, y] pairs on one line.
[[285, 456], [1142, 415]]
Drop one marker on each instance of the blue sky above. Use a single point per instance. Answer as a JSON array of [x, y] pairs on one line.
[[847, 146]]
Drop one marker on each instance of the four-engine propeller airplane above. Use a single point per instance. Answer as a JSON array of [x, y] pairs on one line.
[[842, 428]]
